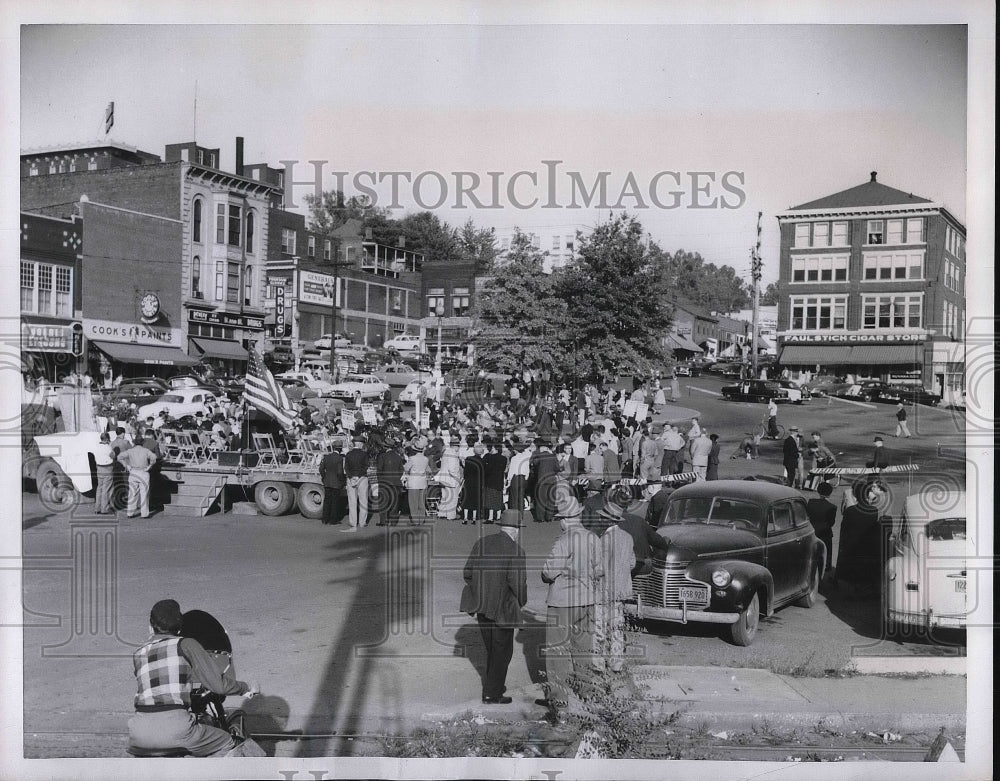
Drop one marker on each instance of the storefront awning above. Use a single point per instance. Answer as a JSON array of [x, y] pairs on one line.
[[812, 354], [877, 354], [220, 348], [678, 342], [145, 354]]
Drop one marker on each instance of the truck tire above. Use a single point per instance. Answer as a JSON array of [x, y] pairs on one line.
[[745, 628], [55, 489], [310, 500], [273, 497]]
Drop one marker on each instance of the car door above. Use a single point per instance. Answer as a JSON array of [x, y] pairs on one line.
[[805, 540], [782, 550]]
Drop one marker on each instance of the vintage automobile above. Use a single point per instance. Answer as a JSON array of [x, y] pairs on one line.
[[179, 402], [926, 579], [755, 390], [397, 375], [323, 343], [738, 550], [322, 387], [873, 390], [688, 369], [725, 368], [297, 390], [363, 386], [404, 343], [797, 392]]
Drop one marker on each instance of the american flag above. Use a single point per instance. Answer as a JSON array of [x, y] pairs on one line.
[[264, 393]]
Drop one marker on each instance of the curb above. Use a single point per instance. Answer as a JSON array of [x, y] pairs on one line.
[[906, 665]]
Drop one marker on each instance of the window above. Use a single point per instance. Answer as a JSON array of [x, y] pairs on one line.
[[876, 234], [915, 230], [892, 312], [801, 234], [819, 313], [780, 518], [196, 277], [220, 223], [248, 286], [799, 515], [435, 301], [571, 243], [821, 234], [250, 227], [460, 301], [92, 164], [220, 281], [288, 241], [556, 243], [33, 170], [327, 246], [396, 299], [44, 288], [64, 295], [233, 283], [27, 286], [196, 221], [72, 165], [52, 167], [820, 268], [311, 246], [235, 224], [893, 265], [894, 232]]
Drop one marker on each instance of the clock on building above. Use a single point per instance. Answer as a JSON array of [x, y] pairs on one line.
[[149, 308]]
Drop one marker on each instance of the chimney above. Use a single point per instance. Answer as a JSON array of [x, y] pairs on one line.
[[874, 174], [239, 156]]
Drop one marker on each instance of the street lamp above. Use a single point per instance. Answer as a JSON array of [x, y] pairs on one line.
[[337, 265]]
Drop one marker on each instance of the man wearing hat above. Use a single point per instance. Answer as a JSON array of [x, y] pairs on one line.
[[701, 449], [165, 669], [572, 571], [495, 591], [543, 467], [879, 459], [790, 454], [356, 470], [823, 515]]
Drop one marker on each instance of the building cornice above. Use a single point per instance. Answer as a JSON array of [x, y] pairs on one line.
[[213, 176]]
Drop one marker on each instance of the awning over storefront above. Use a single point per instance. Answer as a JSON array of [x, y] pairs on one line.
[[878, 354], [678, 342], [220, 348], [811, 354], [145, 353]]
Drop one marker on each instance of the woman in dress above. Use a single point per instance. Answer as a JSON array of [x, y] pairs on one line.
[[494, 470], [473, 473]]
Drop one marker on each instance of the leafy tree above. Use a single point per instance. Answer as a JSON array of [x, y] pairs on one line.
[[616, 294], [716, 288], [331, 209], [428, 234], [770, 295], [477, 245], [519, 315]]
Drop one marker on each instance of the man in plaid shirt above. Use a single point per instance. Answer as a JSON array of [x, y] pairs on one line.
[[165, 669]]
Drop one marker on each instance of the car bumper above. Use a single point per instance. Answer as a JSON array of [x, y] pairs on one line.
[[925, 619], [679, 615]]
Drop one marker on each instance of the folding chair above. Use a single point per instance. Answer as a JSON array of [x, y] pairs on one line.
[[266, 449]]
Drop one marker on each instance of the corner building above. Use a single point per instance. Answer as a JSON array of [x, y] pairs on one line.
[[872, 284]]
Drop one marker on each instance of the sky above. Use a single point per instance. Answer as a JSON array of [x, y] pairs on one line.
[[787, 113]]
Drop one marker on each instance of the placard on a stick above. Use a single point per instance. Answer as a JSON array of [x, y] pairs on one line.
[[368, 413]]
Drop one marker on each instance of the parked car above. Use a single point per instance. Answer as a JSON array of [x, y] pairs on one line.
[[926, 578], [688, 369], [364, 386], [234, 388], [873, 390], [826, 385], [179, 402], [323, 343], [915, 394], [397, 375], [755, 390], [410, 393], [737, 550], [297, 390], [404, 343], [131, 392], [726, 369], [322, 387], [797, 392]]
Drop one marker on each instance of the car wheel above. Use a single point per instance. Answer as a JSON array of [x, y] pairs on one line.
[[273, 497], [745, 628], [811, 597], [310, 500], [55, 489]]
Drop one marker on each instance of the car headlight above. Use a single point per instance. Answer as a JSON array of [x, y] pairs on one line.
[[721, 578]]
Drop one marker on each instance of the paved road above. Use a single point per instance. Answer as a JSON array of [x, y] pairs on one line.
[[351, 633]]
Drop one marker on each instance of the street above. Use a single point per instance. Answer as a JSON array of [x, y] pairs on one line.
[[356, 633]]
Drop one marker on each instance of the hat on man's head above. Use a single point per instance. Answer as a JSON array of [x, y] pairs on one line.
[[542, 442], [512, 518], [567, 505], [824, 489], [793, 428], [879, 439], [166, 615]]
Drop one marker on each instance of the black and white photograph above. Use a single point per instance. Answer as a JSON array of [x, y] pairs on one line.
[[692, 306]]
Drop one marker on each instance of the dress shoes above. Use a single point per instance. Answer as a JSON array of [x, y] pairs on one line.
[[503, 700]]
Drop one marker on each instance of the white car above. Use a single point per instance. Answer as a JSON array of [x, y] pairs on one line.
[[364, 386], [178, 403], [404, 343], [410, 393], [926, 578], [323, 343], [322, 387]]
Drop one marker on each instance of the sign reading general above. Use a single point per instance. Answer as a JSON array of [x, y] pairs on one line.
[[134, 333], [318, 288]]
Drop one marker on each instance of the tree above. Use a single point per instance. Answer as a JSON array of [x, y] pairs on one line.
[[716, 288], [770, 295], [428, 234], [519, 316], [330, 210], [616, 294], [477, 245]]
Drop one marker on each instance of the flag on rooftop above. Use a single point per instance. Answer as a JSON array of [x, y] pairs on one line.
[[109, 117], [264, 393]]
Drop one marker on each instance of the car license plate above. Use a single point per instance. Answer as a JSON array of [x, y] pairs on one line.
[[960, 586], [692, 594]]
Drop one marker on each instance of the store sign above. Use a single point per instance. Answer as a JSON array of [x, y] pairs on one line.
[[223, 318], [318, 288], [908, 338], [133, 333], [41, 338], [280, 326]]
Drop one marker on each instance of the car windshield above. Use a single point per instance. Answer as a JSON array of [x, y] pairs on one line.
[[946, 529], [714, 510], [355, 378], [173, 398]]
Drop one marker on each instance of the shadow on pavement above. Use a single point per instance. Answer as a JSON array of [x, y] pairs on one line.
[[531, 636], [267, 715]]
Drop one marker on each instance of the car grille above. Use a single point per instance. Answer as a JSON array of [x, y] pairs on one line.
[[661, 587]]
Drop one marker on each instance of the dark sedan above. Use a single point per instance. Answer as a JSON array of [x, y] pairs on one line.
[[884, 393], [755, 390], [737, 550]]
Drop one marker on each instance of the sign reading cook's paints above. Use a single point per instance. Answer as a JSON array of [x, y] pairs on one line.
[[134, 333]]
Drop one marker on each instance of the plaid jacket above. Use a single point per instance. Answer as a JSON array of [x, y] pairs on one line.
[[162, 673]]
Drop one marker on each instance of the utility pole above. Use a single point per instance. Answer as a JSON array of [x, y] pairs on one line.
[[755, 273], [337, 265]]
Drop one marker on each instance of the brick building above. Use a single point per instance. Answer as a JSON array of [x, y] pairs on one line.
[[871, 283], [449, 291]]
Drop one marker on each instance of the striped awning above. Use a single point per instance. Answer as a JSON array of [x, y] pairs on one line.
[[884, 354], [812, 354], [678, 342]]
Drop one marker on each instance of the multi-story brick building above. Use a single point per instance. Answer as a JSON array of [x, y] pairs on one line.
[[51, 329], [871, 283]]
